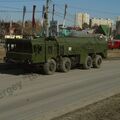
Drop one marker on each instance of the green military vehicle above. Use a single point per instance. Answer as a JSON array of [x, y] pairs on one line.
[[58, 54]]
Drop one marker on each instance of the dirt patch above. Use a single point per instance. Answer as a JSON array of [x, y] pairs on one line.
[[2, 52], [108, 109]]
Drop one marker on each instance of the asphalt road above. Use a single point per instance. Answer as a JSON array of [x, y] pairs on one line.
[[40, 97]]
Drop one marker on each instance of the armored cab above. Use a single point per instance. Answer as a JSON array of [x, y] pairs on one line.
[[61, 54]]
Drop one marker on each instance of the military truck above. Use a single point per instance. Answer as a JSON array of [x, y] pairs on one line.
[[58, 54]]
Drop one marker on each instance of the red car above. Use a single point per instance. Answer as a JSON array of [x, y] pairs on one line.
[[114, 44]]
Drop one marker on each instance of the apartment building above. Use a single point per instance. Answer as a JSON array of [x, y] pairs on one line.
[[81, 19], [100, 21]]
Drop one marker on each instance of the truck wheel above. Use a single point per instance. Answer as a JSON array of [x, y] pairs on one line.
[[88, 63], [65, 65], [49, 67], [97, 61], [26, 68]]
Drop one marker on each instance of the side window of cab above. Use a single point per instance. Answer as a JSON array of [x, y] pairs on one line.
[[37, 49]]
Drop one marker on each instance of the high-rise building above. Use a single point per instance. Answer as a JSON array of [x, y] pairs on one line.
[[86, 18], [81, 19]]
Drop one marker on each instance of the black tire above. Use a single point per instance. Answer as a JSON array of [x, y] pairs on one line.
[[25, 68], [9, 61], [65, 65], [49, 67], [97, 61], [88, 63]]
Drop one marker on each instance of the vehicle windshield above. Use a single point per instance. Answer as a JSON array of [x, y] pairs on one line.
[[19, 46]]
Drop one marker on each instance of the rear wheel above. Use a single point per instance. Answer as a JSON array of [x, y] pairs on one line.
[[97, 61], [88, 63], [49, 67], [65, 64]]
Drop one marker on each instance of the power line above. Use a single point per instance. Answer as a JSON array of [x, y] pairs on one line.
[[11, 11], [61, 15], [68, 14], [10, 7], [22, 1], [86, 9], [68, 20]]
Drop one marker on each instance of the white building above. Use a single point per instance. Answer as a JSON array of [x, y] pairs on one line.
[[100, 21], [118, 25], [81, 18], [118, 18]]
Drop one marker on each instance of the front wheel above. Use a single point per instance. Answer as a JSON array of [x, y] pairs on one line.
[[97, 61], [49, 67]]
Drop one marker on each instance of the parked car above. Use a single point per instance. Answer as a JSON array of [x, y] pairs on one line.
[[114, 44]]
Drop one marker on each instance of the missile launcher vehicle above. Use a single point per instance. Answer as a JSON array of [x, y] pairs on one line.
[[58, 53]]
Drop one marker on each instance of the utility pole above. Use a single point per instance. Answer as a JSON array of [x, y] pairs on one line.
[[33, 19], [23, 19], [43, 21], [53, 13], [46, 18], [10, 28], [43, 12], [65, 13]]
